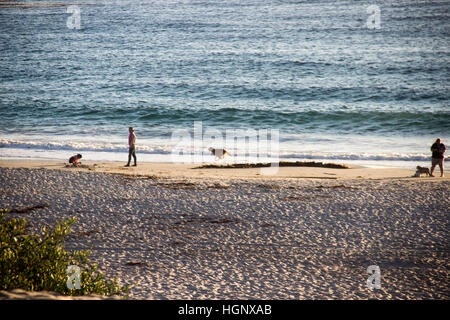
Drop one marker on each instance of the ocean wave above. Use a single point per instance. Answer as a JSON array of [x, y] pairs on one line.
[[357, 156], [79, 147], [238, 154], [340, 120]]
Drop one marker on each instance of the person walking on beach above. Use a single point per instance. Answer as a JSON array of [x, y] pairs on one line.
[[131, 147], [437, 158]]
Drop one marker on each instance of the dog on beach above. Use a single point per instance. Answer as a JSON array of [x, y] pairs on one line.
[[422, 170], [219, 153]]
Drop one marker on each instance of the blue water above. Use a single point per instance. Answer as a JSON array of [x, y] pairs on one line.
[[335, 89]]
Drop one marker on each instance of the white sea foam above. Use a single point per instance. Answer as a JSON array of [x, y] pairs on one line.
[[113, 151]]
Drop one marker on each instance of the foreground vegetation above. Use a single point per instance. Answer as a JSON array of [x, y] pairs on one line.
[[39, 262]]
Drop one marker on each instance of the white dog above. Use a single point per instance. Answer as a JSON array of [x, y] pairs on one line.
[[219, 153]]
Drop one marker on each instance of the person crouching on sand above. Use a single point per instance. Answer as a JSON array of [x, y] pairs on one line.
[[75, 159], [437, 158], [131, 147]]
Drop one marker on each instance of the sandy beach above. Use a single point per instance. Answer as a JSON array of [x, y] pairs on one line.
[[179, 232]]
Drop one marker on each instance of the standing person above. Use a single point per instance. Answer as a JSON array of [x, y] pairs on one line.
[[437, 158], [131, 146]]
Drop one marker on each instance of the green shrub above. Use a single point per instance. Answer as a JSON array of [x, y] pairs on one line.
[[39, 262]]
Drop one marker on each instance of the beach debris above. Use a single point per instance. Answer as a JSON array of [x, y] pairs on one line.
[[178, 185], [136, 176], [267, 225], [28, 209], [269, 186], [213, 220], [300, 198], [221, 221], [280, 164], [293, 198], [343, 186], [218, 186], [135, 263]]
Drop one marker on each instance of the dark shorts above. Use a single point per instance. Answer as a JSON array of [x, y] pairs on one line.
[[437, 162]]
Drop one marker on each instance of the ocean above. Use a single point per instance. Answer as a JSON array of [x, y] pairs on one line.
[[356, 82]]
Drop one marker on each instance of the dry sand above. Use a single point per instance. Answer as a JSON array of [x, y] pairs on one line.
[[19, 294], [305, 233]]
